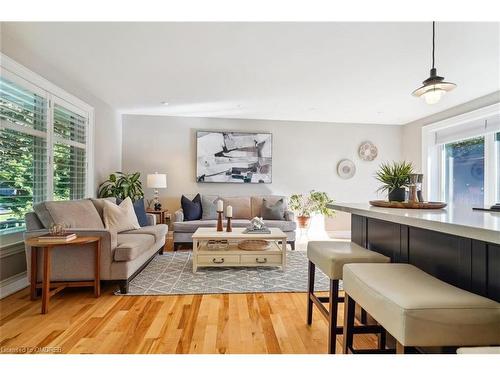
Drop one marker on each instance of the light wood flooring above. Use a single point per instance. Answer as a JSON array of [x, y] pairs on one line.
[[224, 323]]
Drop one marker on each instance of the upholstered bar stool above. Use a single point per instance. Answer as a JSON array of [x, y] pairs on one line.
[[417, 309], [330, 257]]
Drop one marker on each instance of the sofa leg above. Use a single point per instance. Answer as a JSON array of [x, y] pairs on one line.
[[292, 244], [176, 246], [123, 286]]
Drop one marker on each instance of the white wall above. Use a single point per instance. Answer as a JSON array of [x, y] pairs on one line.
[[107, 125], [412, 132], [305, 156]]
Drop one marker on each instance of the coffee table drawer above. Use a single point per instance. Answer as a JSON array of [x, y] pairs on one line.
[[218, 260], [264, 260]]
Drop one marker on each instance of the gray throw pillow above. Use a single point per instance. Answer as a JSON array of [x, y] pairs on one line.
[[209, 208], [273, 211]]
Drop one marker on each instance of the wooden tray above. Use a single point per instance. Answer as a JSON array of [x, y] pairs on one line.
[[413, 205], [254, 245]]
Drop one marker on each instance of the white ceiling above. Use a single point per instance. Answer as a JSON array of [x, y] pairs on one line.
[[335, 72]]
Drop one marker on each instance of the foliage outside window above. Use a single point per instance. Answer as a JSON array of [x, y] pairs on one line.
[[30, 160]]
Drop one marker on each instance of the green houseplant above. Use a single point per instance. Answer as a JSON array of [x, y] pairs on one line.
[[394, 178], [122, 185], [304, 205]]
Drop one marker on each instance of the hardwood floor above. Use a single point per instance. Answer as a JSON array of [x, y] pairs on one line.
[[223, 323]]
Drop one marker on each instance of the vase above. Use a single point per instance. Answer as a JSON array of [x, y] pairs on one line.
[[303, 221], [397, 195]]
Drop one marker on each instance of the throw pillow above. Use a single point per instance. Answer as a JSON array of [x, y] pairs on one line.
[[191, 208], [140, 211], [120, 218], [273, 211], [209, 208]]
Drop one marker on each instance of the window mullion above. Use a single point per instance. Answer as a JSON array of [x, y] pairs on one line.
[[489, 169], [50, 148]]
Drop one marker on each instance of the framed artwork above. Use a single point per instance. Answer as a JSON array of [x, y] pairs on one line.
[[234, 157]]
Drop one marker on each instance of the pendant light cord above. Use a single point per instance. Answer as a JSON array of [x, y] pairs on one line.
[[433, 41]]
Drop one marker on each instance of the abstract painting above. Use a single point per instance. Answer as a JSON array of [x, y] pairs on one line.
[[234, 157]]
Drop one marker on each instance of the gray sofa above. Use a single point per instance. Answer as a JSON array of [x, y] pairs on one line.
[[123, 255], [244, 209]]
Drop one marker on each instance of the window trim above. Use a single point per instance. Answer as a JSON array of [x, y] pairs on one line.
[[432, 157], [23, 76]]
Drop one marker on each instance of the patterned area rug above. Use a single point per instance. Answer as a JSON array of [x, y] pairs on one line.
[[171, 273]]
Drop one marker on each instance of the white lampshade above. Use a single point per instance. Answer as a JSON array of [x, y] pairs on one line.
[[157, 180]]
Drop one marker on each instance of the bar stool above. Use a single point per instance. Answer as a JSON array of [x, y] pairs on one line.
[[417, 309], [330, 257]]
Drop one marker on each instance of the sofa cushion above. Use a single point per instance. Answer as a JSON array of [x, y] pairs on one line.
[[241, 207], [273, 211], [256, 202], [157, 231], [191, 226], [209, 207], [140, 211], [99, 205], [130, 246], [120, 218], [191, 208], [74, 214], [285, 226]]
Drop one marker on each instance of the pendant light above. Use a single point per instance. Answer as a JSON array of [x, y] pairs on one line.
[[433, 87]]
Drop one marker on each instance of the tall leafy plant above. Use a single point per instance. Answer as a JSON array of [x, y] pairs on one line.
[[394, 175], [122, 185]]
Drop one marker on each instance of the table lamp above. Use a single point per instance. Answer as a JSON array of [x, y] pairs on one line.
[[157, 181]]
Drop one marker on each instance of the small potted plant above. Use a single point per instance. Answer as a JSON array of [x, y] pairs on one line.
[[305, 205], [394, 178]]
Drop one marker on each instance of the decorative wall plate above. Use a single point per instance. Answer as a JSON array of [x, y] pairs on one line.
[[367, 151], [346, 169]]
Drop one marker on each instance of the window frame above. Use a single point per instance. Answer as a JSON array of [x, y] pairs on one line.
[[433, 160], [22, 76]]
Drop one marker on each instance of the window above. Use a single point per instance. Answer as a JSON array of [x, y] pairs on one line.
[[44, 145], [464, 171], [461, 158]]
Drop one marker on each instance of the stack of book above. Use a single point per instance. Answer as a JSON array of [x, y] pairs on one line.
[[58, 238], [257, 231]]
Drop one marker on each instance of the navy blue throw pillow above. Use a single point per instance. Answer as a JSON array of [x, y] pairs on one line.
[[139, 210], [191, 208]]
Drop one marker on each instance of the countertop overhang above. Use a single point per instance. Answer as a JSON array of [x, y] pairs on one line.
[[458, 221]]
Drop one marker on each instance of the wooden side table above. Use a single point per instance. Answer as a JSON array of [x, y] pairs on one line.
[[46, 284], [160, 213]]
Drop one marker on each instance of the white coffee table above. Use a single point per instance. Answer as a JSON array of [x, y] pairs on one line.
[[233, 256]]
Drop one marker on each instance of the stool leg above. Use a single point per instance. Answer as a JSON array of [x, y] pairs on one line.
[[310, 291], [349, 306], [332, 317], [382, 339], [400, 348]]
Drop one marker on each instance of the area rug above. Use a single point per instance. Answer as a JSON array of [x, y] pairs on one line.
[[171, 274]]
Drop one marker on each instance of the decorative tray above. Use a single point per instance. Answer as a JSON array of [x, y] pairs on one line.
[[413, 205], [254, 245]]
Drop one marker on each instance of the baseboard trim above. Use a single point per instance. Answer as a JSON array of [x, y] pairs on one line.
[[13, 284]]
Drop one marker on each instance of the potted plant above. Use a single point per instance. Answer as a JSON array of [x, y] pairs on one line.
[[305, 205], [122, 185], [394, 178]]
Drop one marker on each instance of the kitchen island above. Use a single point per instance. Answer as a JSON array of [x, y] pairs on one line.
[[457, 245]]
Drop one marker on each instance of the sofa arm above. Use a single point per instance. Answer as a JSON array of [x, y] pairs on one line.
[[151, 219], [289, 216], [179, 215]]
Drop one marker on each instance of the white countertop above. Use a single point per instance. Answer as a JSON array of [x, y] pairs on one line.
[[459, 221]]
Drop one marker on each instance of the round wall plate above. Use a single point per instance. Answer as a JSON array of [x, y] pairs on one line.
[[346, 169], [367, 151]]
